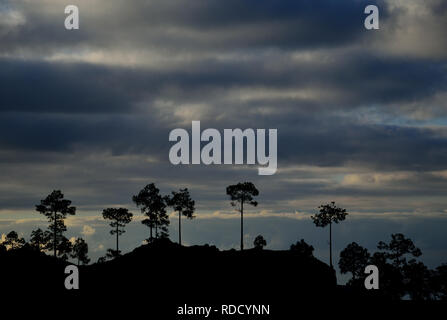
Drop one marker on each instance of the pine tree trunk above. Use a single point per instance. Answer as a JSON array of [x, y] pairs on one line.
[[330, 244], [180, 228], [54, 231], [242, 225], [117, 240]]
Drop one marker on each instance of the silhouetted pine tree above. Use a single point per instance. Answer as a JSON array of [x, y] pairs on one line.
[[120, 217], [242, 193], [80, 251], [354, 258], [153, 205], [39, 240], [56, 209], [182, 203], [329, 213]]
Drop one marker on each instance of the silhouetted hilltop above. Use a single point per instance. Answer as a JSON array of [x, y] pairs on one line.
[[167, 275], [164, 264], [26, 268], [205, 269], [163, 275]]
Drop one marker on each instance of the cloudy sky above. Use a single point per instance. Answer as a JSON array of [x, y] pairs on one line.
[[361, 115]]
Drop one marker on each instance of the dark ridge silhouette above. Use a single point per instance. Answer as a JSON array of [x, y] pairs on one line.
[[148, 279], [252, 273], [26, 269], [207, 273]]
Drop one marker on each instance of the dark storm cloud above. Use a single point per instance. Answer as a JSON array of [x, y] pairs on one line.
[[334, 141], [86, 88], [239, 24], [370, 79], [41, 87], [283, 24], [49, 132], [216, 13], [321, 141], [71, 105]]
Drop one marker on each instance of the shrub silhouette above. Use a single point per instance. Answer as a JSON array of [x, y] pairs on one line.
[[302, 248], [13, 241], [259, 242], [438, 282], [101, 260]]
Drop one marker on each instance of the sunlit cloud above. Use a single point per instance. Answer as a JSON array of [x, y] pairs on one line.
[[88, 231]]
